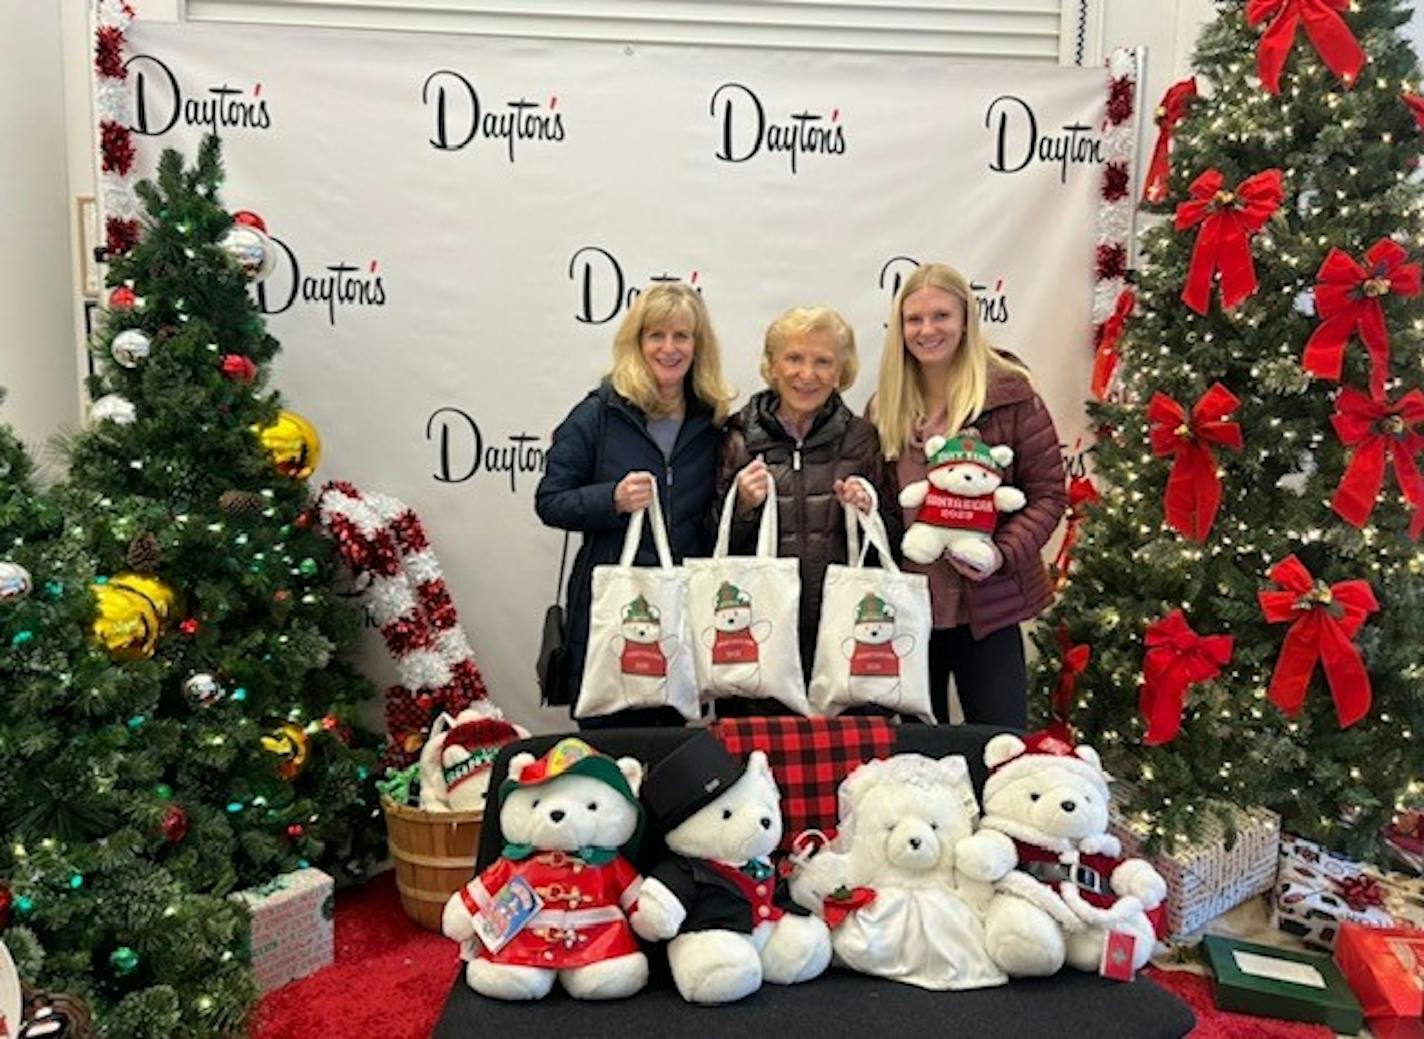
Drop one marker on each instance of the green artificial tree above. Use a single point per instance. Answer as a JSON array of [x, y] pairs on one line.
[[1323, 159], [177, 721]]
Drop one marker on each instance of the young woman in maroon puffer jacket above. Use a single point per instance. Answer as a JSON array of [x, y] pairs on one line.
[[938, 375]]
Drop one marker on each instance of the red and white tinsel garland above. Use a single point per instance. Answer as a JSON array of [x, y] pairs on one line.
[[114, 107], [1113, 249], [381, 539]]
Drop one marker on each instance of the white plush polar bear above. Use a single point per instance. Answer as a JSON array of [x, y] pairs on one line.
[[1046, 812], [916, 903], [718, 898], [565, 818], [456, 758], [959, 504]]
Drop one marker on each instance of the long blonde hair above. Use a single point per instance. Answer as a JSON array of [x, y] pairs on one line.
[[899, 404], [655, 307]]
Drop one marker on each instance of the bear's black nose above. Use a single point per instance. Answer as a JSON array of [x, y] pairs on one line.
[[557, 815], [765, 823], [1068, 806], [915, 843]]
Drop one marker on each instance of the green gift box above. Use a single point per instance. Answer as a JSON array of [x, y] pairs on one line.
[[1281, 983]]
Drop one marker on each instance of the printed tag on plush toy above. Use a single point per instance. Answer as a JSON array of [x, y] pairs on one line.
[[508, 912], [1117, 956]]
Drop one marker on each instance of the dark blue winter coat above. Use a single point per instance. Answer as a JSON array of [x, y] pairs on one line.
[[603, 439]]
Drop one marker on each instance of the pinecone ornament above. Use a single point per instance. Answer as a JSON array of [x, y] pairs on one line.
[[144, 554], [241, 503]]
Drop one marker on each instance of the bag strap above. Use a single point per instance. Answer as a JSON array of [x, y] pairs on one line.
[[563, 564], [768, 530], [654, 515], [876, 535]]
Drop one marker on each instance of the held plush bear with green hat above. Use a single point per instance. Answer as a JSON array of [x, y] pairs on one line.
[[958, 505], [554, 906]]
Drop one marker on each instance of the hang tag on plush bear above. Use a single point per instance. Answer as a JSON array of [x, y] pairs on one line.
[[508, 911], [1118, 952]]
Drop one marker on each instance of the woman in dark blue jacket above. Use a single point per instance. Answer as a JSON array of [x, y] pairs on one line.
[[656, 417]]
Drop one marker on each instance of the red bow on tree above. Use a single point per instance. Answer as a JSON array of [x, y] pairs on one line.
[[1109, 332], [1176, 658], [1379, 432], [1349, 297], [1081, 493], [1326, 29], [1075, 662], [1170, 111], [1228, 219], [1416, 107], [1193, 489], [1325, 619]]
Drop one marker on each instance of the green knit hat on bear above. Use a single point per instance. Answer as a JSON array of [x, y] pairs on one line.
[[961, 449], [730, 597], [640, 611], [873, 610]]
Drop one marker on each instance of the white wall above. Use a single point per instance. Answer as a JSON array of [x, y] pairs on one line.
[[38, 364]]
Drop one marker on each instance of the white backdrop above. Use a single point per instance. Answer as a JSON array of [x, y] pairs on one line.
[[464, 219]]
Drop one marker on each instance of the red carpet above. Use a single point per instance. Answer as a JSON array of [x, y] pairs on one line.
[[390, 979]]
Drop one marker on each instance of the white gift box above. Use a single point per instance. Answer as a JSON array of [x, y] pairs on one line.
[[1205, 878], [292, 933]]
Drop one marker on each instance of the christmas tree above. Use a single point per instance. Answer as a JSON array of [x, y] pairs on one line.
[[177, 720], [1249, 585]]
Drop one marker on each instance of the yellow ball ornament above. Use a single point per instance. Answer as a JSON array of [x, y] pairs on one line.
[[291, 744], [132, 609], [292, 444]]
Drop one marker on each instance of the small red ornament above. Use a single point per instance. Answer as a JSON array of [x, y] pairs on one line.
[[330, 722], [247, 218], [189, 626], [304, 519], [295, 831], [122, 298], [425, 701], [239, 368], [175, 824], [7, 901], [281, 595]]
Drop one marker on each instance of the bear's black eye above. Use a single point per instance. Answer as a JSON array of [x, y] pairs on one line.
[[593, 806], [934, 826], [726, 813], [1033, 797], [535, 804]]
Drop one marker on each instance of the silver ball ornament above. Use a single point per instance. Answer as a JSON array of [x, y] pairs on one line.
[[130, 348], [15, 582]]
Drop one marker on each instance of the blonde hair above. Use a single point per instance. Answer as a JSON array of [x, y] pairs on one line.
[[656, 307], [803, 321], [899, 404]]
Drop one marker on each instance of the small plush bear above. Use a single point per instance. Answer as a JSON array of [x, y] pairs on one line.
[[717, 899], [959, 504], [1070, 897], [568, 818], [900, 901], [456, 758]]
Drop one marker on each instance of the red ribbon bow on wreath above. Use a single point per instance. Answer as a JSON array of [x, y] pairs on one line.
[[1325, 619], [1416, 108], [1109, 332], [1170, 111], [1075, 662], [1193, 489], [1349, 298], [1081, 493], [1359, 892], [1379, 433], [1332, 38], [1176, 658], [1228, 219]]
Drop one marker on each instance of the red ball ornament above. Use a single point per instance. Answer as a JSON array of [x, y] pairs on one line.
[[247, 218], [281, 595], [304, 519], [7, 901], [295, 831], [175, 824], [189, 626], [122, 298], [330, 722], [425, 701], [239, 369]]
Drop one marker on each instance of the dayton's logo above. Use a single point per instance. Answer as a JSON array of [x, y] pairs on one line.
[[465, 452], [1018, 142], [460, 117], [746, 130], [159, 102], [339, 284], [603, 289], [993, 306]]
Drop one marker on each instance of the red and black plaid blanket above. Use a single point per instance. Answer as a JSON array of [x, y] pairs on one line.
[[809, 757]]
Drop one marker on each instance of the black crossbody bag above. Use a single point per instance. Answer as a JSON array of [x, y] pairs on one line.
[[552, 667]]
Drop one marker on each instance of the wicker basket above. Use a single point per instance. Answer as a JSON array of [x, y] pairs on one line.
[[434, 854]]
